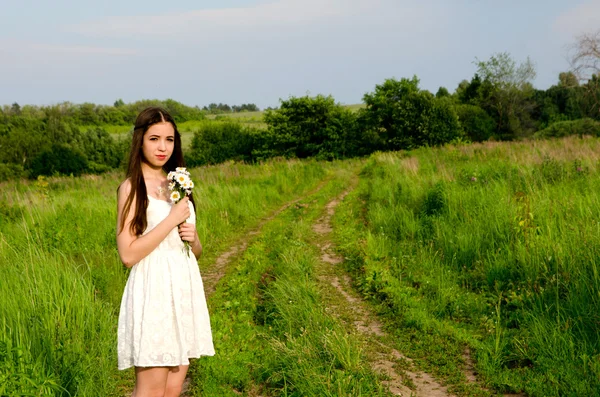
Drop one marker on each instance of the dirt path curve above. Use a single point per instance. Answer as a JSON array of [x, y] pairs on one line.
[[383, 358]]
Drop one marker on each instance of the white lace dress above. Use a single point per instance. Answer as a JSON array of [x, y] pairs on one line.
[[164, 319]]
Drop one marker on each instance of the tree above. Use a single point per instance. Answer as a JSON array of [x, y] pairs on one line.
[[15, 109], [442, 92], [508, 97], [216, 142], [310, 126], [584, 56], [403, 117], [568, 80], [475, 122], [563, 101]]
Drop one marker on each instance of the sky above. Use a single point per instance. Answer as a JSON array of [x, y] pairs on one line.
[[261, 51]]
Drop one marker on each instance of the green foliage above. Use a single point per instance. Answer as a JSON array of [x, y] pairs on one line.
[[217, 142], [310, 126], [506, 93], [221, 108], [475, 122], [442, 92], [29, 137], [486, 246], [102, 149], [60, 158], [579, 127], [10, 171], [404, 117]]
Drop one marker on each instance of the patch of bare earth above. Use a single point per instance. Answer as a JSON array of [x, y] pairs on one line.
[[395, 368]]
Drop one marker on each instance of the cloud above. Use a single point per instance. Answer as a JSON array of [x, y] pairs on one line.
[[284, 14], [578, 20]]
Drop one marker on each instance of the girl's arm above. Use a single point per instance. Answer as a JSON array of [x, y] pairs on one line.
[[133, 249], [188, 232], [197, 246]]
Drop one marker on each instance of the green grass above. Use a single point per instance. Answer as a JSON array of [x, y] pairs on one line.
[[62, 280], [272, 333], [493, 246]]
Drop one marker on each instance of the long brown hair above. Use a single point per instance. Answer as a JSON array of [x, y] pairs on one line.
[[146, 119]]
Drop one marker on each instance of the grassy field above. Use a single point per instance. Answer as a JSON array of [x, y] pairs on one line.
[[492, 247], [62, 279], [485, 253]]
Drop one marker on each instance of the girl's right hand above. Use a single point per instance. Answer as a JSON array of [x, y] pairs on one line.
[[180, 211]]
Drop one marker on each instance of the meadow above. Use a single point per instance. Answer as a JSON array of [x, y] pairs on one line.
[[483, 253], [490, 249]]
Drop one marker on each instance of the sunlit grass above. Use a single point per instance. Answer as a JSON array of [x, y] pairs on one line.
[[62, 280], [492, 245]]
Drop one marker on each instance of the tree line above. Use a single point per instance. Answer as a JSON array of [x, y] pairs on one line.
[[499, 102]]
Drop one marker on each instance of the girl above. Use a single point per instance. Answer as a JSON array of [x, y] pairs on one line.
[[163, 319]]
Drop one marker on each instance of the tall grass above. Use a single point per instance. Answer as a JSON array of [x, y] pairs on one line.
[[61, 279], [493, 245], [273, 334]]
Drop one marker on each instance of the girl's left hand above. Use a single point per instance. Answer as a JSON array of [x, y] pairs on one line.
[[187, 232]]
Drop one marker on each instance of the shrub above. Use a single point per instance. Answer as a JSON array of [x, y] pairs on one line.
[[60, 159], [216, 142], [11, 171], [404, 117], [310, 126], [100, 147], [574, 127], [476, 123]]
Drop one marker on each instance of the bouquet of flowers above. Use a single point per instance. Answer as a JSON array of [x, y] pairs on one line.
[[180, 185]]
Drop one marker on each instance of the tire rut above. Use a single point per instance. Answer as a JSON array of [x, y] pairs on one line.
[[383, 358]]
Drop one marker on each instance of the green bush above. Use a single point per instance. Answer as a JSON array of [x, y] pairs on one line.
[[216, 142], [404, 117], [60, 159], [310, 126], [11, 171], [475, 122], [573, 127], [101, 148]]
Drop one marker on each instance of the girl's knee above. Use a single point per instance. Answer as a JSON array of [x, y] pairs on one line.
[[173, 391]]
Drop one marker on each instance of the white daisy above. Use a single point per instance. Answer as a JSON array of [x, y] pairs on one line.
[[171, 185], [182, 179], [171, 176], [175, 196]]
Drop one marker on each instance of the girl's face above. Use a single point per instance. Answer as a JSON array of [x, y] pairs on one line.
[[158, 144]]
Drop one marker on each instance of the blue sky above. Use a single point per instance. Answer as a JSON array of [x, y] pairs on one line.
[[248, 51]]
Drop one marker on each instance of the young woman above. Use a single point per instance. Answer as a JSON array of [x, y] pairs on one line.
[[163, 320]]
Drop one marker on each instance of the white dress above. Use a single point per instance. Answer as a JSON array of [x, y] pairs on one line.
[[163, 319]]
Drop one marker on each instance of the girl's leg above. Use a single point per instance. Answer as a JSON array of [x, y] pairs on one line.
[[150, 381], [175, 380]]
